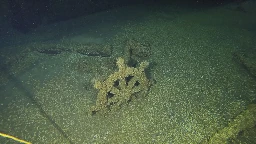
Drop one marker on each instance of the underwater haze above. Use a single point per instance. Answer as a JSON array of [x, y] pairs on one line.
[[172, 72]]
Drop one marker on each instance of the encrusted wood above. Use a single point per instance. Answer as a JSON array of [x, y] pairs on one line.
[[121, 86]]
